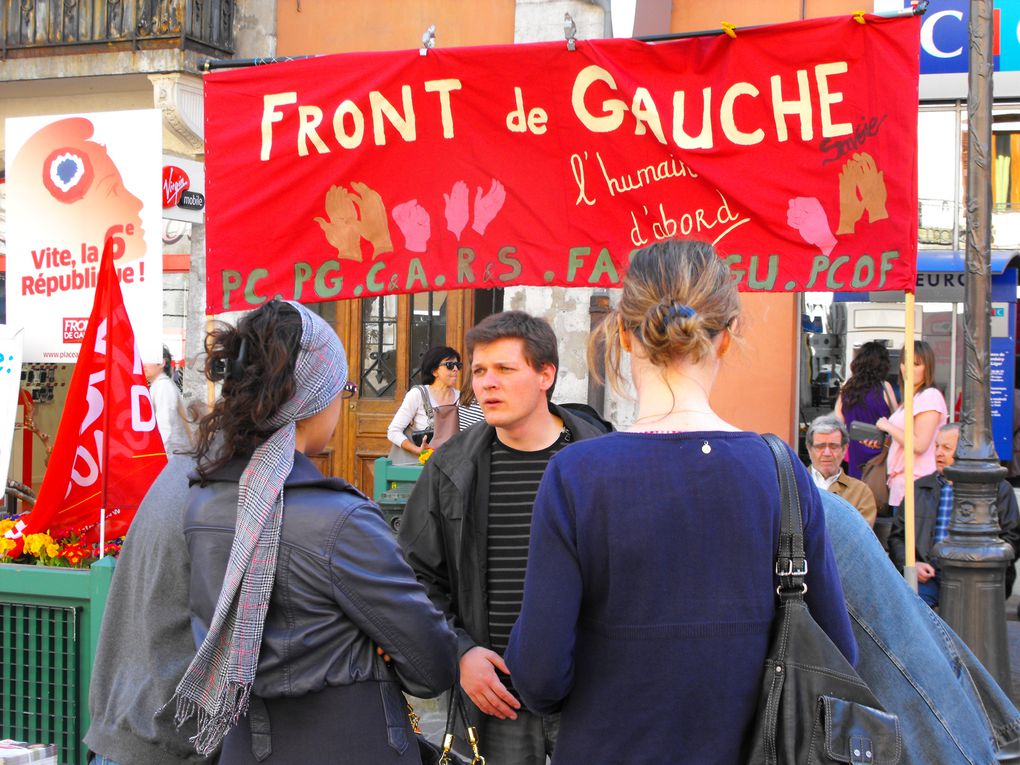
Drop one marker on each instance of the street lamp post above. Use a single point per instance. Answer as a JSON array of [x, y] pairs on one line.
[[973, 558]]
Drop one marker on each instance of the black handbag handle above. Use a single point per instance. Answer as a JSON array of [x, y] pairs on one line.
[[791, 563], [455, 705]]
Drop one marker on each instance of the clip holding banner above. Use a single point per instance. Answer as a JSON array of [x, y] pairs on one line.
[[428, 40], [858, 16], [730, 29], [570, 31]]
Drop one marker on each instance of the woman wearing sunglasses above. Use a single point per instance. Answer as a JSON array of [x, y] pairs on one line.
[[440, 369]]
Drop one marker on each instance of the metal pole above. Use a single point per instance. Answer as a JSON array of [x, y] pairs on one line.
[[598, 309], [909, 389], [973, 559]]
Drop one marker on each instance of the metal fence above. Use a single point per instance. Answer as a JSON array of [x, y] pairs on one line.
[[41, 27], [39, 677]]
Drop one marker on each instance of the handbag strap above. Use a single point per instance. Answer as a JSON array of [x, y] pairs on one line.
[[791, 563], [455, 705], [426, 401]]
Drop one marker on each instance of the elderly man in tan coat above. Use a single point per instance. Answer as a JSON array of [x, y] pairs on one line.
[[827, 440]]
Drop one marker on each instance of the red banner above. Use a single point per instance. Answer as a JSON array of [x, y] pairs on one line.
[[107, 401], [791, 147]]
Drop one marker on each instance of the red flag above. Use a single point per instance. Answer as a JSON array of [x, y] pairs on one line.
[[108, 420]]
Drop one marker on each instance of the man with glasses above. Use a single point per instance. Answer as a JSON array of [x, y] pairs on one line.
[[827, 440]]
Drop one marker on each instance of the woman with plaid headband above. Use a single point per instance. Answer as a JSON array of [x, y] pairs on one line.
[[296, 580]]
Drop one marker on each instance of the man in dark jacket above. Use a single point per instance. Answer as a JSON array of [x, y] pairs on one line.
[[933, 499], [466, 525]]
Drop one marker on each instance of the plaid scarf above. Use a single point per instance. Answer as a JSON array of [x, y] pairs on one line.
[[216, 686]]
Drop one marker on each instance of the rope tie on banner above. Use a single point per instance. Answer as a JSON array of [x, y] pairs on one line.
[[730, 29], [858, 16]]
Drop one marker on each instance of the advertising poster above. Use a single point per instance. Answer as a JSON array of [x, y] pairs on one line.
[[790, 147], [73, 181], [10, 384]]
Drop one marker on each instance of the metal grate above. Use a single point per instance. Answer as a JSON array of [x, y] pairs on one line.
[[39, 661]]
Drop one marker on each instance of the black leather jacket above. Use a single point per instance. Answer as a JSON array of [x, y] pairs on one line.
[[445, 526], [342, 588]]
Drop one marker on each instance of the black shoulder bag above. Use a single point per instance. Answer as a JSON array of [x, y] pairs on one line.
[[814, 709]]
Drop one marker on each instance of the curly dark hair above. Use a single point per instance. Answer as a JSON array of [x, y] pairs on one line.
[[256, 382], [868, 371]]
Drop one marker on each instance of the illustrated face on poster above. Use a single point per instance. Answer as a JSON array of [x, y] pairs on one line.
[[73, 182], [77, 188]]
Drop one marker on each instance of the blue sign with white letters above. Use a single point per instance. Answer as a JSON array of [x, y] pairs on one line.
[[945, 30]]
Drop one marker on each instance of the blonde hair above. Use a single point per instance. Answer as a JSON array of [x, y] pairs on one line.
[[678, 295]]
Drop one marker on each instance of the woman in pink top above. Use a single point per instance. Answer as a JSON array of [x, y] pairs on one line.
[[930, 414]]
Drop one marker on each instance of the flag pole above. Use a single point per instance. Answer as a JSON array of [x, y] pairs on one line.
[[910, 563], [108, 369]]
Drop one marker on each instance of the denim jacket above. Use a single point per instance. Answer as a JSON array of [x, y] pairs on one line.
[[951, 709]]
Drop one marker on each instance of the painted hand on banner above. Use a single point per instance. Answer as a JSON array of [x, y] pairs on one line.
[[861, 188], [414, 223], [343, 228], [488, 205], [807, 216], [457, 208], [354, 216], [374, 226], [871, 183]]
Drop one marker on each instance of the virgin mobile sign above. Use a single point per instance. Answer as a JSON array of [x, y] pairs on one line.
[[792, 148]]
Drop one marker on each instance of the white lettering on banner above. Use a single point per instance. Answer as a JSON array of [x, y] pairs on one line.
[[95, 399], [91, 463], [797, 103], [101, 338], [928, 34], [138, 393]]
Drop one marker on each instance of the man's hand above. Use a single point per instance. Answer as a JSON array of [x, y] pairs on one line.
[[479, 680], [925, 571]]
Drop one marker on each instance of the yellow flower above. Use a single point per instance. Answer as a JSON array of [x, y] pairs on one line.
[[52, 550], [36, 543], [424, 456], [5, 545], [5, 526]]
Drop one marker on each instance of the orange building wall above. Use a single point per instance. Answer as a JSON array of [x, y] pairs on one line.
[[709, 14], [343, 27], [757, 384]]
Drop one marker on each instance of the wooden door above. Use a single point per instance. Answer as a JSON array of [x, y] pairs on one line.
[[385, 337]]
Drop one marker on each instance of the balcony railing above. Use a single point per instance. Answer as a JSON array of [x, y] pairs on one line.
[[55, 27]]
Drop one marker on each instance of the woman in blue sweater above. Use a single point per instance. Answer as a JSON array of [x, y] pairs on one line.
[[650, 587]]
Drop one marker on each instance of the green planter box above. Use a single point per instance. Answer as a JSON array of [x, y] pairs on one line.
[[49, 630]]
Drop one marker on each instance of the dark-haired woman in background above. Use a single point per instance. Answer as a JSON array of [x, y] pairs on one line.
[[289, 608], [440, 368], [865, 397]]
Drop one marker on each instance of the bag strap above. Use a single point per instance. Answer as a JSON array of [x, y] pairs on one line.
[[791, 563], [426, 401], [455, 705]]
